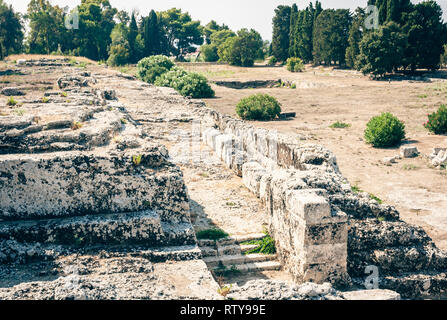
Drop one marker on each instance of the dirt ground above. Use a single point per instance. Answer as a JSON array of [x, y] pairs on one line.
[[324, 96]]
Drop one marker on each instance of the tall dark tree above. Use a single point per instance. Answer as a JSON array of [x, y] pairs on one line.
[[382, 50], [281, 33], [391, 10], [330, 36], [293, 30], [152, 35], [132, 39], [11, 30], [355, 36], [425, 31]]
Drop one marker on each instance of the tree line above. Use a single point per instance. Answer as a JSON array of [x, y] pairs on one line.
[[104, 33], [407, 37]]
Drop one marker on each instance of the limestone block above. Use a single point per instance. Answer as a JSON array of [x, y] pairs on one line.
[[12, 91], [211, 138], [73, 184], [373, 294], [252, 173], [409, 152], [308, 205], [224, 146]]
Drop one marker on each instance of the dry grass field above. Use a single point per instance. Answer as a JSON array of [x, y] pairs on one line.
[[324, 96]]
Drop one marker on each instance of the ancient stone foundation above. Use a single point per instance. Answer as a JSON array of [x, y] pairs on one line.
[[78, 173], [323, 230]]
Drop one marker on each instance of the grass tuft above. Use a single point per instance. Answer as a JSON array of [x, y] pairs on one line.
[[339, 125], [212, 234]]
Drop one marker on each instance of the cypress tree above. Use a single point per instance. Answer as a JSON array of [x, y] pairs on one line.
[[281, 33], [132, 36], [152, 35], [293, 30]]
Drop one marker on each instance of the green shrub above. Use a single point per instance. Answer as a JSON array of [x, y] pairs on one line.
[[209, 53], [119, 55], [167, 79], [148, 69], [295, 65], [437, 121], [384, 131], [258, 107], [11, 102], [272, 61], [193, 85]]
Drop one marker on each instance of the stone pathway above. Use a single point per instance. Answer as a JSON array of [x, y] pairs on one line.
[[218, 198]]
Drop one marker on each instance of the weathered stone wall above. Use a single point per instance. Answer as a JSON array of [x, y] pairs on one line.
[[311, 238], [323, 230]]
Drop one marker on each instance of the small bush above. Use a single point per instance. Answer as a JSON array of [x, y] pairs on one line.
[[193, 85], [272, 61], [295, 65], [339, 125], [437, 121], [258, 107], [169, 78], [118, 55], [148, 69], [384, 131], [209, 53], [11, 102]]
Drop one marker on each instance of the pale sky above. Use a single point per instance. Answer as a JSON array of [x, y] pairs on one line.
[[237, 14]]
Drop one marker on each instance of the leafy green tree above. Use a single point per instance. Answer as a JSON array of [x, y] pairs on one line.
[[281, 33], [330, 36], [219, 37], [96, 22], [382, 50], [425, 31], [11, 30], [182, 33], [46, 23], [209, 53], [243, 49], [119, 52], [211, 28]]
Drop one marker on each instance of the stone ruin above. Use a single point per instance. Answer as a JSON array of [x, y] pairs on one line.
[[323, 230], [65, 187]]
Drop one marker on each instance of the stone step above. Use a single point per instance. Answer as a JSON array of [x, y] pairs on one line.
[[230, 260], [231, 240], [256, 266], [235, 249], [142, 227], [398, 260], [227, 250]]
